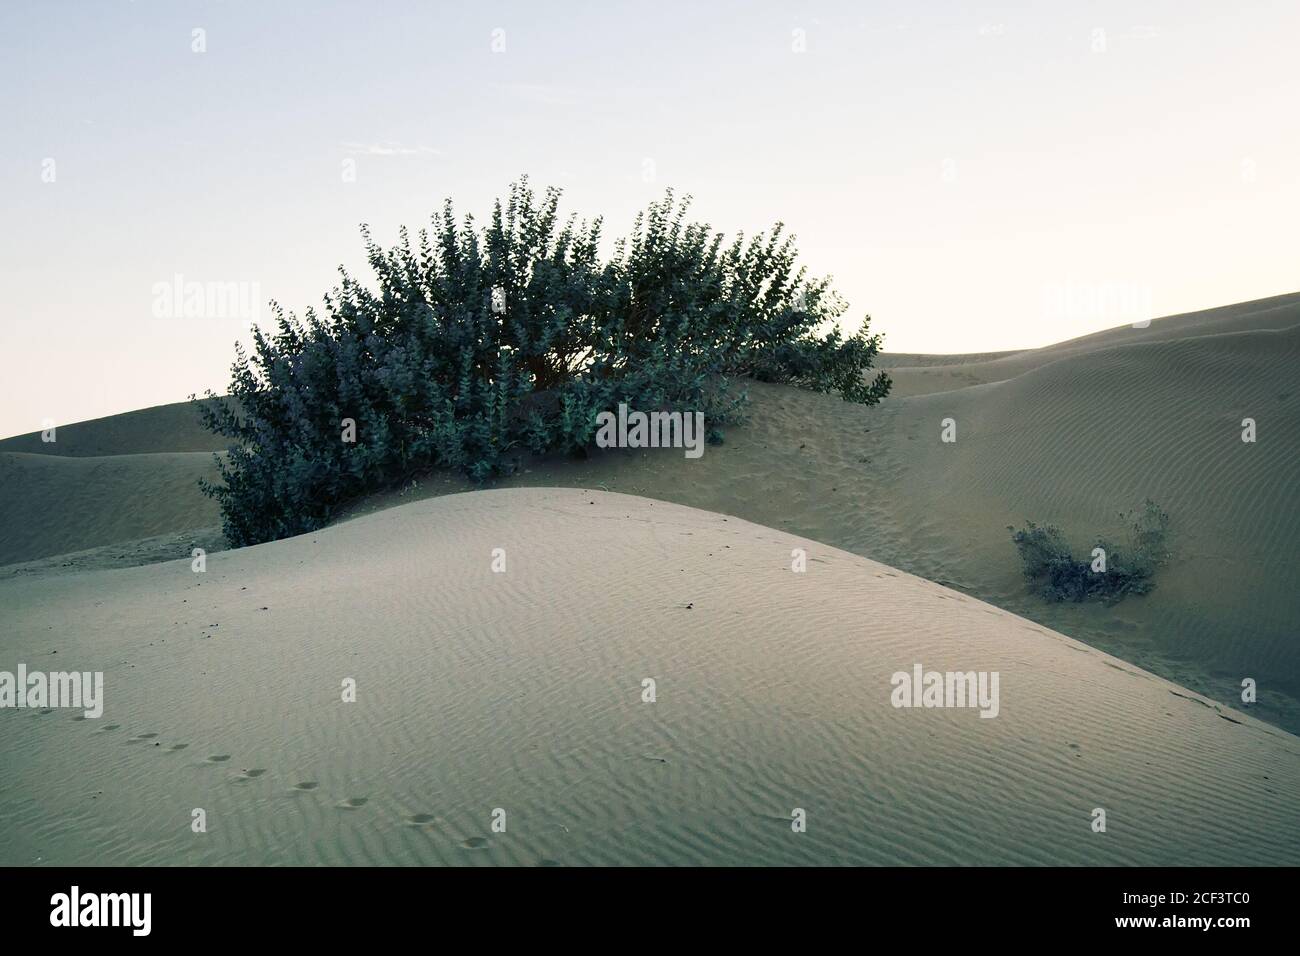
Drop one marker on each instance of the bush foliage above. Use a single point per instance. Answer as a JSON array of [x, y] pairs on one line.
[[1051, 567], [478, 343]]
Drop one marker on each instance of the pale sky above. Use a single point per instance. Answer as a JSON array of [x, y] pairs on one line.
[[957, 167]]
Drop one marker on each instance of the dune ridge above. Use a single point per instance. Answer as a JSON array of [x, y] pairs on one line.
[[175, 427], [1070, 434], [522, 691], [54, 504], [917, 374]]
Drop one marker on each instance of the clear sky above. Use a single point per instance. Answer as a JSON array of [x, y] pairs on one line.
[[975, 176]]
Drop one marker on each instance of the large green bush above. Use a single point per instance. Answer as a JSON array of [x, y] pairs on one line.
[[477, 343]]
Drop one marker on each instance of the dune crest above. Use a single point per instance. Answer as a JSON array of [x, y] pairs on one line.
[[1070, 434], [525, 691]]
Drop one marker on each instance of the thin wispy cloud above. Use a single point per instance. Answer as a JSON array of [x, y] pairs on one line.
[[544, 94], [388, 148]]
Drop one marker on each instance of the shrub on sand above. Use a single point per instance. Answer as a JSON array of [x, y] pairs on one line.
[[476, 343], [1051, 567]]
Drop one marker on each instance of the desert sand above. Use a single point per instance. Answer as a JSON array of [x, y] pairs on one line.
[[523, 691], [54, 504], [1070, 434]]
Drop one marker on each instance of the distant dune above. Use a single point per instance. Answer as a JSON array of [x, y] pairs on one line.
[[523, 691], [920, 374], [52, 504], [163, 428], [1070, 434], [108, 482]]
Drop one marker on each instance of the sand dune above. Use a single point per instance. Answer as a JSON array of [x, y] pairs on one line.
[[162, 428], [1071, 442], [1069, 434], [523, 691], [921, 374], [1076, 441], [115, 491], [52, 504]]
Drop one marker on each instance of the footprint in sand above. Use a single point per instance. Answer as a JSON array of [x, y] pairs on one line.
[[218, 758], [305, 786], [140, 737], [420, 819], [108, 729], [174, 748], [475, 843], [79, 717], [353, 803], [244, 775]]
